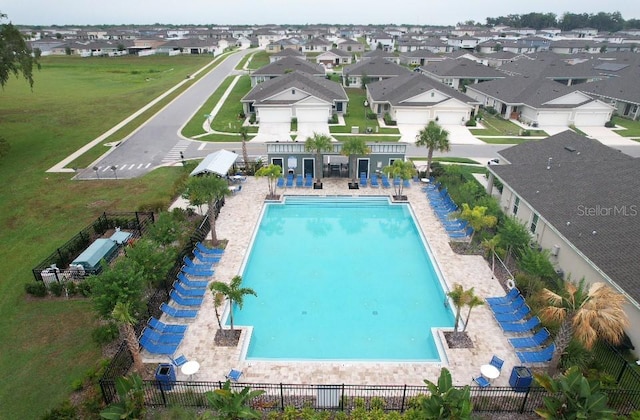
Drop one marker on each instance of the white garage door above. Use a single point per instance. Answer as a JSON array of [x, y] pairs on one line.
[[306, 115], [591, 119], [270, 115], [412, 116], [553, 119], [450, 118]]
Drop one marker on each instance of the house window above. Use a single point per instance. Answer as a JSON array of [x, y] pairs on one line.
[[534, 223], [293, 91], [516, 204]]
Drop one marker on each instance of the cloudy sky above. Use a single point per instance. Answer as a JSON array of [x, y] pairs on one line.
[[414, 12]]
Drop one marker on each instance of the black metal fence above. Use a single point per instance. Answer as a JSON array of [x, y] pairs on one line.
[[625, 375], [57, 264]]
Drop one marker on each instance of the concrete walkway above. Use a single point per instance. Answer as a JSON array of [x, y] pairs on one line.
[[237, 222]]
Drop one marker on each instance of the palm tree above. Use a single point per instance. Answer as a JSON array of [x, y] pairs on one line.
[[272, 173], [587, 314], [434, 138], [244, 133], [477, 218], [399, 169], [491, 245], [218, 298], [233, 292], [459, 298], [472, 301], [351, 147], [122, 315], [207, 189], [318, 143]]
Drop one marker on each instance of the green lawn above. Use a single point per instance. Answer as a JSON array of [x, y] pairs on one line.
[[495, 126], [504, 140], [258, 60], [632, 127], [356, 116], [45, 344]]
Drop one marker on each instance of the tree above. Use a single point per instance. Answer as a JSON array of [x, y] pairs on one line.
[[272, 172], [130, 403], [122, 315], [472, 301], [537, 264], [233, 292], [514, 237], [218, 298], [231, 405], [244, 133], [491, 245], [445, 401], [351, 147], [123, 282], [573, 397], [399, 169], [434, 138], [207, 189], [587, 314], [154, 261], [459, 298], [318, 143], [15, 54], [477, 218]]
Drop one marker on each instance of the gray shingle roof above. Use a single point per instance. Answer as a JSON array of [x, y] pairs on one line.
[[287, 64], [375, 67], [398, 89], [588, 188], [462, 68], [315, 86]]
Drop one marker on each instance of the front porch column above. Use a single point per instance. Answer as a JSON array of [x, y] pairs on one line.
[[490, 180]]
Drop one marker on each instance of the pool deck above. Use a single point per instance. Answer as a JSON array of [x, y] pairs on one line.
[[237, 222]]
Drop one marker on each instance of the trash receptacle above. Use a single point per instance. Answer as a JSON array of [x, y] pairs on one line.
[[166, 376], [520, 379]]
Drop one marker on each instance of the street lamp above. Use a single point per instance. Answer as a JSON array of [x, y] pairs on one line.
[[113, 168], [366, 104], [95, 168]]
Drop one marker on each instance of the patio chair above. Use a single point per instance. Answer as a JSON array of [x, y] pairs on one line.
[[537, 356], [509, 307], [154, 348], [363, 179], [516, 316], [385, 182], [299, 181], [233, 375], [160, 338], [192, 284], [374, 181], [178, 313], [535, 340], [208, 251], [496, 362], [289, 182], [461, 235], [179, 361], [206, 258], [196, 265], [197, 272], [188, 292], [481, 381], [280, 182], [308, 181], [185, 301], [501, 300], [520, 327], [166, 328]]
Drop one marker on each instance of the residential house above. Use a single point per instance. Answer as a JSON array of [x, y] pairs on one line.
[[334, 57], [374, 69], [380, 54], [418, 58], [579, 200], [455, 73], [316, 45], [284, 66], [285, 54], [463, 42], [349, 45], [413, 98], [381, 40]]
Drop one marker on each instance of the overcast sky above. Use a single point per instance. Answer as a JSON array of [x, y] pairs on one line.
[[414, 12]]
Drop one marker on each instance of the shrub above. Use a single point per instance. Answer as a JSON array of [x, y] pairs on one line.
[[72, 288], [84, 288], [333, 119], [470, 123], [105, 334], [36, 288], [372, 115], [252, 119], [437, 170], [65, 410], [388, 120], [56, 289], [491, 110], [610, 124], [525, 133], [242, 115]]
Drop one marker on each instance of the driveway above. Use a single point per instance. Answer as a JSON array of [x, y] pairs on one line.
[[306, 130], [607, 136], [273, 131]]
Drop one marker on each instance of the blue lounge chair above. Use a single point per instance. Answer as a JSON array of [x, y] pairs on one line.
[[397, 181], [178, 313], [461, 235], [363, 180], [299, 181], [520, 327], [308, 181], [481, 381], [289, 182], [234, 375], [496, 362], [374, 181], [166, 328], [187, 292], [537, 356], [406, 183], [192, 284], [280, 182], [208, 251], [500, 300], [160, 338], [185, 301], [509, 308], [207, 258], [196, 265], [154, 348], [535, 340], [516, 316], [197, 272], [385, 182]]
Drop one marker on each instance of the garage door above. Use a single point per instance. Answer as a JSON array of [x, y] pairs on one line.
[[450, 118], [553, 119], [591, 119], [269, 115], [305, 115], [412, 116]]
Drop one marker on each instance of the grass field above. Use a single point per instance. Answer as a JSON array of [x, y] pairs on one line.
[[45, 344], [632, 128], [495, 126]]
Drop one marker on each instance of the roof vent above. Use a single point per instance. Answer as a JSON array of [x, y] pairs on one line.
[[549, 163], [569, 148]]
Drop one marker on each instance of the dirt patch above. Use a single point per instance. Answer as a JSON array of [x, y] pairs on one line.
[[227, 338], [458, 340], [466, 248]]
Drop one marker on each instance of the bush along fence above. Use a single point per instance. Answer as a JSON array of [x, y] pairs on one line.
[[164, 392], [56, 267]]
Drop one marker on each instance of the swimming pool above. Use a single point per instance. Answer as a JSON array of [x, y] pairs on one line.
[[341, 278]]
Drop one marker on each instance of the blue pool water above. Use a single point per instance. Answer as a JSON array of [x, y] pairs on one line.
[[341, 279]]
